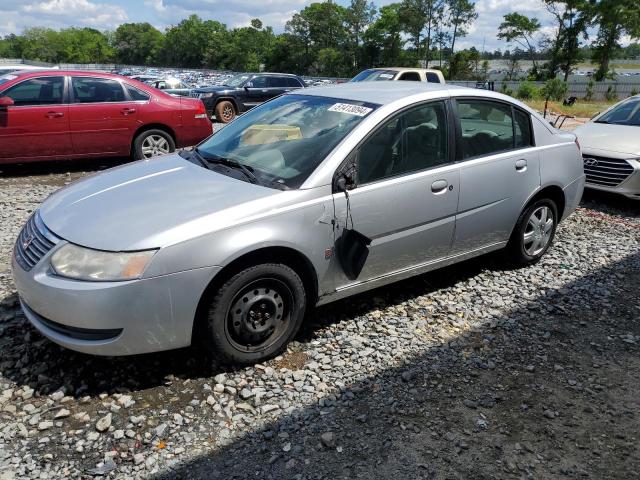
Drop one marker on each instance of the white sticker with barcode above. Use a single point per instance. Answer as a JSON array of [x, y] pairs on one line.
[[350, 109]]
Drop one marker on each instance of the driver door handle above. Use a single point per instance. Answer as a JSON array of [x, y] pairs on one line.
[[439, 186], [521, 165], [54, 114]]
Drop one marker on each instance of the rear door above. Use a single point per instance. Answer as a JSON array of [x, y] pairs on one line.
[[499, 170], [102, 116], [36, 126]]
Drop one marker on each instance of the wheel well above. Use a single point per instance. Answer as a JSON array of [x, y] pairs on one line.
[[287, 256], [153, 126], [226, 99], [553, 193]]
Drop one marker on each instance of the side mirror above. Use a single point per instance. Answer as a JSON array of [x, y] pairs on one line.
[[345, 180], [248, 85], [5, 102]]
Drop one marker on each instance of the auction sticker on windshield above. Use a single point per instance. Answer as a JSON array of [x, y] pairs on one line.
[[350, 109]]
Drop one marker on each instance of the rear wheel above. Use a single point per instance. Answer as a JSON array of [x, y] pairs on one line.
[[534, 232], [255, 313], [225, 111], [152, 143]]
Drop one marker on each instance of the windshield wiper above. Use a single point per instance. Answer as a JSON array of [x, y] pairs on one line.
[[229, 162]]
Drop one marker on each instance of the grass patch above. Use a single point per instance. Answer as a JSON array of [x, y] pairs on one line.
[[579, 109]]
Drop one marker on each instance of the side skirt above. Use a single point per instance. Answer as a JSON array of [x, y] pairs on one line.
[[396, 276]]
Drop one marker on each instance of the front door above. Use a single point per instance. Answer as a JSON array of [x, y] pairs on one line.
[[406, 195], [499, 170], [257, 92], [102, 118], [36, 126]]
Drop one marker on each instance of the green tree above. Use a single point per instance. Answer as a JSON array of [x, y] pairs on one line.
[[520, 29], [572, 20], [383, 43], [614, 19], [187, 43], [462, 14], [418, 19], [138, 43], [358, 17]]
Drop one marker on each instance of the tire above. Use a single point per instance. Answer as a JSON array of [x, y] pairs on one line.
[[225, 111], [151, 143], [527, 250], [254, 314]]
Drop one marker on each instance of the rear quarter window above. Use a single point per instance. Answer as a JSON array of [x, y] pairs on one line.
[[136, 94]]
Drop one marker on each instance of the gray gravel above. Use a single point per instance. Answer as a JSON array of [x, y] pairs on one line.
[[476, 371]]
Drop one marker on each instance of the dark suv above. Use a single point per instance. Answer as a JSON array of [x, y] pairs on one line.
[[244, 91]]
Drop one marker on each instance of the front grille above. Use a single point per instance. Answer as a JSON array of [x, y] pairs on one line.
[[194, 94], [34, 242], [605, 171]]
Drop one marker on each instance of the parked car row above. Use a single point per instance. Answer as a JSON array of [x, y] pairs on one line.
[[54, 114]]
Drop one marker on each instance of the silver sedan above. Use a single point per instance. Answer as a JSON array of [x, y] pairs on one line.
[[309, 198], [611, 149]]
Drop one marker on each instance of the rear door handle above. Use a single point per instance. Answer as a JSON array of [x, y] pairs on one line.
[[54, 114], [439, 186], [127, 111], [521, 165]]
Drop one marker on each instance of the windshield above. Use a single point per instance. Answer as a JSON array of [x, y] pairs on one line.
[[374, 76], [284, 140], [626, 113], [237, 81]]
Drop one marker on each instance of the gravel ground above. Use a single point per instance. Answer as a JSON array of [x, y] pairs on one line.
[[475, 371]]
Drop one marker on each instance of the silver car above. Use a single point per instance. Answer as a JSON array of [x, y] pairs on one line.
[[611, 149], [312, 197]]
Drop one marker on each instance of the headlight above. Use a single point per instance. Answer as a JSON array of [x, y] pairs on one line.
[[206, 95], [85, 264]]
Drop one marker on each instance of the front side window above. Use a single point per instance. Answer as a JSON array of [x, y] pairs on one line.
[[259, 82], [412, 141], [37, 91], [284, 140], [625, 113], [487, 127], [96, 90]]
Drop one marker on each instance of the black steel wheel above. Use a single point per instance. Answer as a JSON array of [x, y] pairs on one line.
[[255, 313]]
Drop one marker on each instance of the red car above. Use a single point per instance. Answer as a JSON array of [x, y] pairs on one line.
[[53, 114]]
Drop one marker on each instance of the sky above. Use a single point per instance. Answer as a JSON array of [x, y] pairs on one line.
[[15, 15]]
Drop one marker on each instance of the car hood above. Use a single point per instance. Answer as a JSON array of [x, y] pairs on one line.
[[615, 138], [150, 204]]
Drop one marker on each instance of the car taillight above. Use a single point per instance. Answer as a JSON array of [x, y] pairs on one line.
[[201, 112]]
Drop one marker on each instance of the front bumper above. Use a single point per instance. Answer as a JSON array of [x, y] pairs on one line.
[[629, 187], [112, 318]]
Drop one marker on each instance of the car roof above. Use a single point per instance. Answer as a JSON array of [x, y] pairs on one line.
[[380, 93], [407, 69], [51, 73]]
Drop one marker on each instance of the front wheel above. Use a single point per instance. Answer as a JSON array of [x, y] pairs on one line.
[[151, 143], [255, 313], [534, 232]]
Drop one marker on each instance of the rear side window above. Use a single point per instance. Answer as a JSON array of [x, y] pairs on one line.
[[96, 90], [432, 77], [487, 127], [137, 95], [412, 76], [37, 91], [276, 82], [522, 123]]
